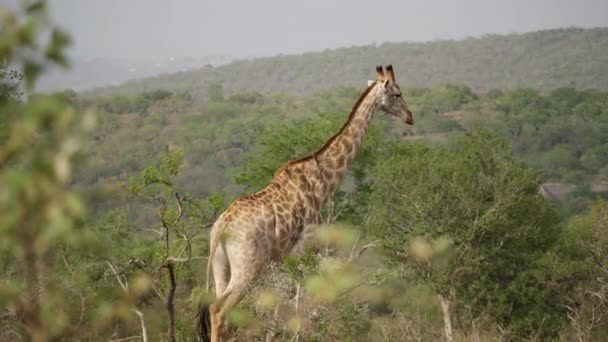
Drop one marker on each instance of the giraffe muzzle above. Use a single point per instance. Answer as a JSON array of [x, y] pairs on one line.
[[409, 118]]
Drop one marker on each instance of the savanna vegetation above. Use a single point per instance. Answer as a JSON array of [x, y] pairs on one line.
[[441, 230]]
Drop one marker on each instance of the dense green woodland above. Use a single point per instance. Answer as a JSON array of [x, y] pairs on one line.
[[542, 60], [440, 230], [563, 134]]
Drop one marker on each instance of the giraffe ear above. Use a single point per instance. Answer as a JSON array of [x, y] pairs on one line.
[[390, 73], [370, 82], [380, 73]]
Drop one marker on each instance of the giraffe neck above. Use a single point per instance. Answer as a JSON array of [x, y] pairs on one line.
[[335, 157]]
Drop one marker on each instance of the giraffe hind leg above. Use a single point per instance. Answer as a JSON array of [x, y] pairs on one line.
[[233, 296], [215, 318], [242, 275]]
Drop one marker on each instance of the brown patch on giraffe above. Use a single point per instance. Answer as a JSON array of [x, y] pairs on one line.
[[312, 200], [341, 161], [288, 171], [331, 163], [335, 153], [296, 169], [254, 196], [328, 175], [347, 145]]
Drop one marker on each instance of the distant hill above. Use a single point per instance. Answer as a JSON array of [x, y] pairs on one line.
[[541, 60]]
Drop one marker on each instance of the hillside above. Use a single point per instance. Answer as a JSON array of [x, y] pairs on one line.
[[541, 60]]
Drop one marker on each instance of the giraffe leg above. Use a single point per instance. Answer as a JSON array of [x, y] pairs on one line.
[[215, 323], [221, 277], [234, 295], [218, 325]]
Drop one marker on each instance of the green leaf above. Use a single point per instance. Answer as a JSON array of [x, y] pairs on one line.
[[27, 34], [31, 72], [36, 7]]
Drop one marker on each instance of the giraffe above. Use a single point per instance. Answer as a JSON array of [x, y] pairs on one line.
[[279, 219]]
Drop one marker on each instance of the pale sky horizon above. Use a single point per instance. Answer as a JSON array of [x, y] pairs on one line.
[[160, 29]]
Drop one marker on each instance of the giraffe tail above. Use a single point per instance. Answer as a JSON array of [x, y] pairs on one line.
[[204, 324], [204, 316], [213, 246]]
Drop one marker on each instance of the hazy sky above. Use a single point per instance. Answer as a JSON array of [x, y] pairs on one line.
[[138, 29]]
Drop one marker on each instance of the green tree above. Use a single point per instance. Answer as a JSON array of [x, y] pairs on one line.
[[39, 213], [216, 92], [179, 247], [43, 296], [564, 100], [469, 222], [579, 267]]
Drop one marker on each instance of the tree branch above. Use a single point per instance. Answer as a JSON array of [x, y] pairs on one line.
[[124, 286], [126, 338]]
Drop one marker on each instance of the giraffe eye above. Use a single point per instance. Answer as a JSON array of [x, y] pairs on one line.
[[397, 95]]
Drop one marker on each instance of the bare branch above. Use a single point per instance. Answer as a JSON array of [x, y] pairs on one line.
[[124, 286], [66, 263], [179, 210], [126, 338], [144, 333], [157, 231], [188, 246], [161, 213], [343, 206], [354, 255]]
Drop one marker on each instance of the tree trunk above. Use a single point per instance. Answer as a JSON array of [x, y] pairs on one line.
[[446, 308], [170, 304]]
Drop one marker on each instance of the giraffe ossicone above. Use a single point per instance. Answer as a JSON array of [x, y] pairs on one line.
[[279, 219]]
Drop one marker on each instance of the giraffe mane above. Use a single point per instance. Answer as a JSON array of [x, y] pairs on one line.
[[328, 142]]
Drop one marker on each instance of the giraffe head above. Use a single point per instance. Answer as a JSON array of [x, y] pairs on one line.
[[391, 99]]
